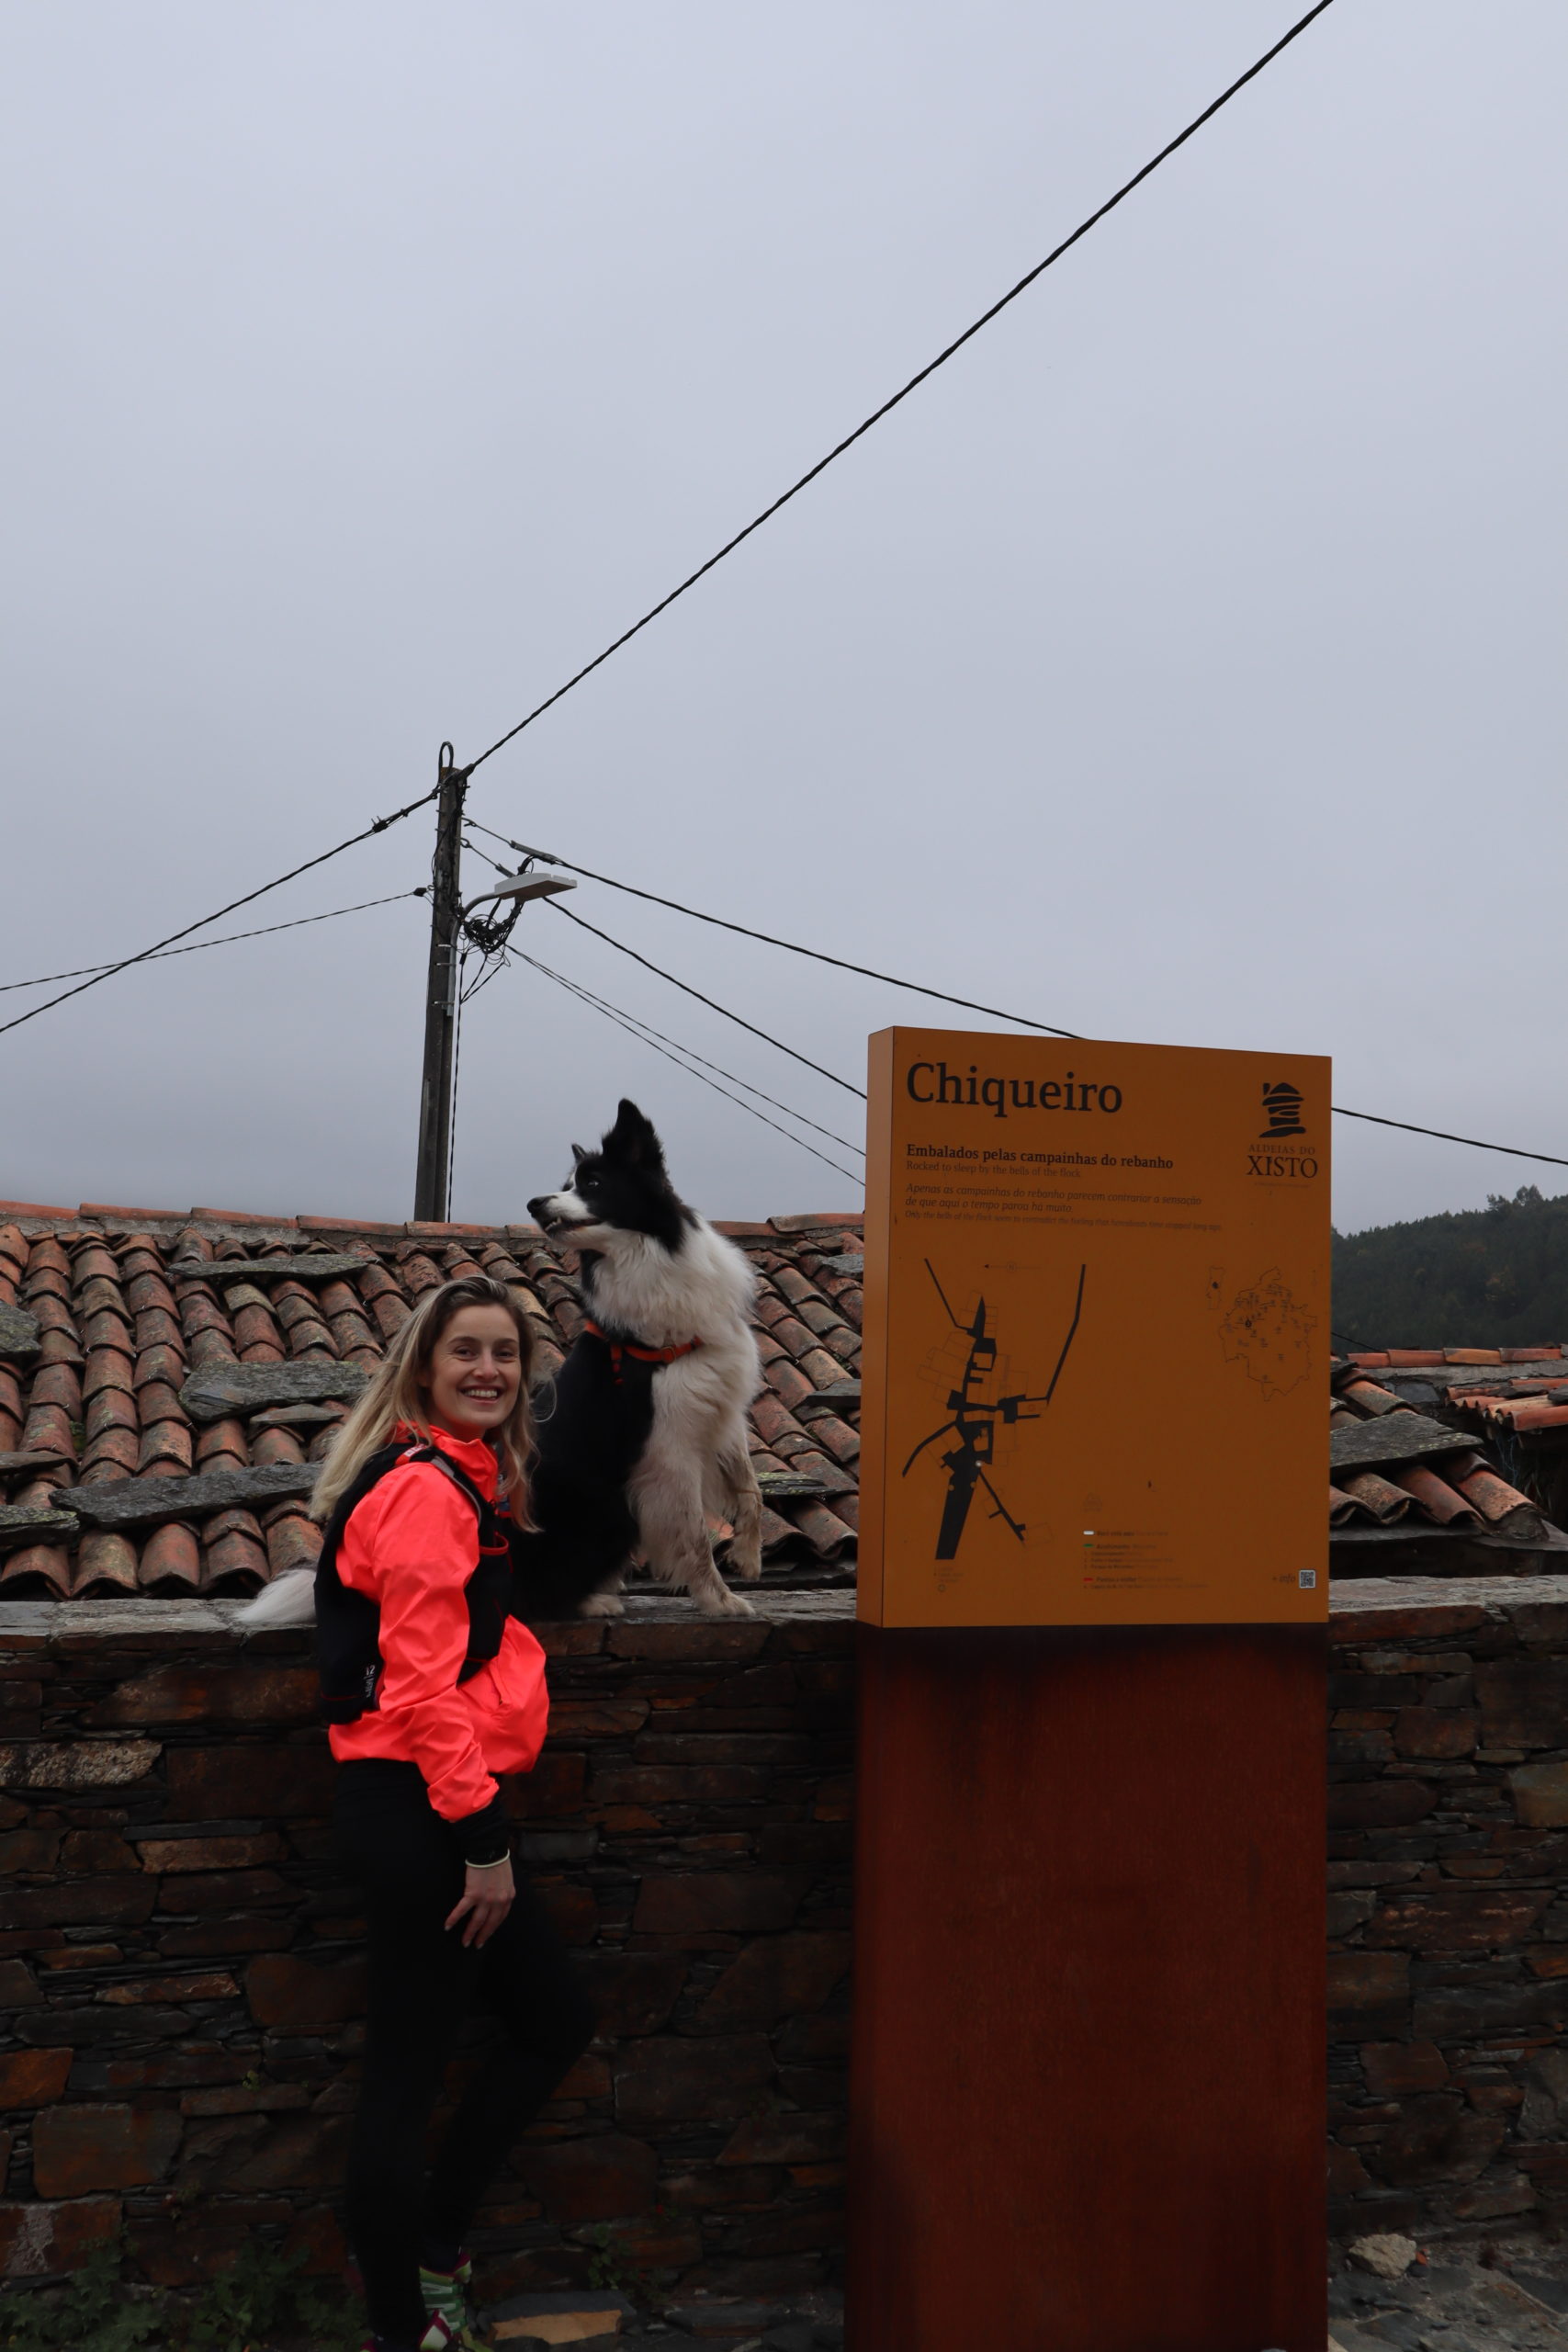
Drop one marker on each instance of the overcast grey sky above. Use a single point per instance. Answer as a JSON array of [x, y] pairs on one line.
[[1182, 663]]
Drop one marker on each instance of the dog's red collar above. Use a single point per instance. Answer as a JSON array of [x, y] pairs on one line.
[[620, 1348]]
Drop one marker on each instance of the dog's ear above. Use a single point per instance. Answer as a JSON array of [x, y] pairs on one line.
[[633, 1139], [578, 1156]]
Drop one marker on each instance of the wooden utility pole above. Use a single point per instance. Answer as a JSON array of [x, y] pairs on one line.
[[433, 1174]]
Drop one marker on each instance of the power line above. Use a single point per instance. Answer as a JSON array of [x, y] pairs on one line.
[[1443, 1136], [228, 940], [623, 1022], [792, 946], [914, 381], [107, 971], [556, 908], [658, 1034], [1022, 1020]]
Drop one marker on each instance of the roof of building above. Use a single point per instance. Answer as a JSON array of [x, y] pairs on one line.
[[1406, 1429], [167, 1381]]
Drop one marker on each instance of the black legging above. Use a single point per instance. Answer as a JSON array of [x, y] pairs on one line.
[[422, 1981]]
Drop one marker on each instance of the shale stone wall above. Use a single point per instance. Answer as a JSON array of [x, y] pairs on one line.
[[1448, 1907], [180, 1983], [180, 1997]]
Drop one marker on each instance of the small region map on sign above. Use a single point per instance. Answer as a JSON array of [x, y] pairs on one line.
[[1268, 1330]]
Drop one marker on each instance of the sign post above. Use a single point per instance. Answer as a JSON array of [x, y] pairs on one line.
[[1087, 2085]]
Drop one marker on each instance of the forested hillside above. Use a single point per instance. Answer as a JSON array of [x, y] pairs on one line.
[[1495, 1277]]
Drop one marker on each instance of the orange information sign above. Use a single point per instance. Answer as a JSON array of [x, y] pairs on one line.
[[1097, 1302]]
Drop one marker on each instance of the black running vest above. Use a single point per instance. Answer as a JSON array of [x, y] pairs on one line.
[[348, 1623]]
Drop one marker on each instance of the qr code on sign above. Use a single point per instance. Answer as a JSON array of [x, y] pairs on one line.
[[1306, 1579]]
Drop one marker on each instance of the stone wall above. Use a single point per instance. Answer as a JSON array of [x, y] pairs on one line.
[[179, 1995], [180, 1989], [1448, 1907]]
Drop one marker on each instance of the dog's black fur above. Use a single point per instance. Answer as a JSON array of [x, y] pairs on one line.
[[590, 1432]]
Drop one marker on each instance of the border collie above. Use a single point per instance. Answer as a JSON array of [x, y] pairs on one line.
[[642, 1435], [645, 1436]]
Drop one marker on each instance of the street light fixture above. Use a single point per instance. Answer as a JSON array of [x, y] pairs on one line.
[[521, 886]]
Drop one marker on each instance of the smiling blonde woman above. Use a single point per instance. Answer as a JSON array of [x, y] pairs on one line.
[[432, 1691]]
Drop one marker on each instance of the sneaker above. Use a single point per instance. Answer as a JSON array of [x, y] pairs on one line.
[[437, 2337], [445, 2296]]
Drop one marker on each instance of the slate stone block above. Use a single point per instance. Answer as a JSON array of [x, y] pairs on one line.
[[1435, 2141], [219, 1938], [1541, 1793], [256, 1779], [1482, 2012], [221, 1388], [143, 1502], [33, 2078], [786, 2140], [1457, 1919], [669, 2079], [632, 1992], [734, 1902], [1368, 1994], [599, 2179], [1524, 1702], [78, 2150], [774, 1977], [18, 1333], [116, 1901], [37, 2239], [291, 1996], [1379, 1804], [212, 1694]]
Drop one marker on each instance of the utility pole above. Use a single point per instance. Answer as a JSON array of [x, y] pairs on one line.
[[433, 1177]]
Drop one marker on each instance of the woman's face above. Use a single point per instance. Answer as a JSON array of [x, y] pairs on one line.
[[475, 1371]]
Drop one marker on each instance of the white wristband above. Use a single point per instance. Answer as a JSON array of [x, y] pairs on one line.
[[489, 1866]]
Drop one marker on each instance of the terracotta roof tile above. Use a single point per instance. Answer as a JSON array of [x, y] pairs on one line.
[[1376, 1495], [166, 1442], [46, 1563], [125, 1318], [109, 1403], [104, 1563], [1434, 1498]]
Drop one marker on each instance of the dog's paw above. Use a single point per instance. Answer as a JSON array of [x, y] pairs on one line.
[[747, 1570], [603, 1604], [724, 1603]]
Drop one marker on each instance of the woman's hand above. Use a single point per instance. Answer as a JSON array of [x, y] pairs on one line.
[[488, 1897]]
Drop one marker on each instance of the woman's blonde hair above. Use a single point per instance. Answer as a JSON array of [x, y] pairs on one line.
[[396, 1396]]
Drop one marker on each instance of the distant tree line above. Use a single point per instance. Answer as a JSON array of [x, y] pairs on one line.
[[1495, 1277]]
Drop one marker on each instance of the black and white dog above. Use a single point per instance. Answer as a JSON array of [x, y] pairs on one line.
[[644, 1437]]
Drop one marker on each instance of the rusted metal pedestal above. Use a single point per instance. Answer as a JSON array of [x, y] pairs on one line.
[[1088, 2088]]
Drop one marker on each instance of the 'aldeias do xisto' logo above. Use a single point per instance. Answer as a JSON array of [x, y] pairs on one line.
[[1282, 1106], [1283, 1109]]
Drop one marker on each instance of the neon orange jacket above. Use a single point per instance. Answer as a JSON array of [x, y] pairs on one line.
[[411, 1546]]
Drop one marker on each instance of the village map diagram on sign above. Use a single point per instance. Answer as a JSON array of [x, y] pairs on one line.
[[976, 1419], [1266, 1329]]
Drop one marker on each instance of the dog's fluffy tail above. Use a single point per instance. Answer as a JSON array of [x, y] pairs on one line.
[[288, 1600]]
